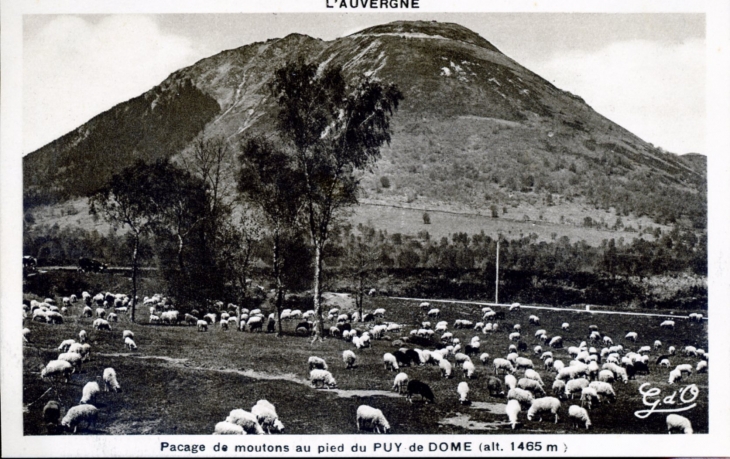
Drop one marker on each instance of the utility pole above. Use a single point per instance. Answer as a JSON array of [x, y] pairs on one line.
[[496, 278]]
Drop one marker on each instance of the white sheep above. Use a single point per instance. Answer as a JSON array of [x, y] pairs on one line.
[[657, 344], [101, 324], [701, 366], [83, 336], [129, 342], [390, 362], [445, 367], [514, 336], [73, 358], [579, 415], [228, 428], [317, 363], [575, 385], [469, 369], [672, 350], [484, 358], [324, 377], [26, 335], [665, 363], [513, 410], [522, 362], [537, 350], [89, 392], [558, 365], [202, 325], [674, 376], [503, 364], [565, 326], [531, 385], [434, 313], [110, 380], [266, 416], [127, 333], [57, 368], [677, 422], [78, 414], [400, 382], [246, 420], [461, 358], [521, 395], [549, 363], [510, 381], [603, 389], [559, 387], [667, 324], [154, 319], [540, 405], [463, 390], [349, 358], [690, 350], [532, 374], [65, 345], [684, 368], [633, 336], [371, 418]]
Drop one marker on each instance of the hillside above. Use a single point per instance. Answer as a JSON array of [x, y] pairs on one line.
[[476, 132]]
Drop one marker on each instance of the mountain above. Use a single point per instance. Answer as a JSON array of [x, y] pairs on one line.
[[476, 132]]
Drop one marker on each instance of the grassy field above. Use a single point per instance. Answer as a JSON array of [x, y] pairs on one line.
[[180, 381]]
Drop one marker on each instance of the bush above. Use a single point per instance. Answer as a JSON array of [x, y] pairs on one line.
[[385, 182], [426, 218]]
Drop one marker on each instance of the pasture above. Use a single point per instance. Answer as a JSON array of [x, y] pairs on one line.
[[181, 381]]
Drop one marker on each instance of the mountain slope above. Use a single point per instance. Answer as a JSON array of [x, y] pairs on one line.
[[475, 131]]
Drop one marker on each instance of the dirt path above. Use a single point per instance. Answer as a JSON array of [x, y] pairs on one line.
[[261, 376], [549, 308]]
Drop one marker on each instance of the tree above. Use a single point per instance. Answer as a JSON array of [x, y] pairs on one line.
[[125, 201], [362, 259], [333, 130], [269, 181]]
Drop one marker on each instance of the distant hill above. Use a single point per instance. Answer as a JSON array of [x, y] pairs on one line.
[[476, 132]]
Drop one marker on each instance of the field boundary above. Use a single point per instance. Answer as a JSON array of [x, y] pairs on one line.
[[549, 308]]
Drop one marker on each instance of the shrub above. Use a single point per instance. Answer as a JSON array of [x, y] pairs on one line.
[[385, 182]]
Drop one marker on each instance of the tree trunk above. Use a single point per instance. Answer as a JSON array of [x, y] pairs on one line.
[[318, 320], [134, 274], [361, 293], [279, 283]]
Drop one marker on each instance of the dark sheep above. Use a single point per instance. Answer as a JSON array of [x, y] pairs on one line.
[[413, 356], [631, 371], [417, 387], [471, 350], [494, 385], [51, 415], [521, 346], [641, 367], [662, 357], [369, 317], [256, 326], [270, 326], [343, 327], [402, 359], [190, 319], [499, 315]]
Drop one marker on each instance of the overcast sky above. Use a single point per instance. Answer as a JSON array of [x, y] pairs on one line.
[[645, 72]]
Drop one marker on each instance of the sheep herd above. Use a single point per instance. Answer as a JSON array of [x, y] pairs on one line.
[[527, 367]]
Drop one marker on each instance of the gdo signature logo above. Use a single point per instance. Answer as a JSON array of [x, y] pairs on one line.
[[687, 395]]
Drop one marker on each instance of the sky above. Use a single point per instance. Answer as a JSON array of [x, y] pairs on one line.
[[645, 72]]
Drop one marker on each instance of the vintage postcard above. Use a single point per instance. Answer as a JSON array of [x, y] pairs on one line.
[[365, 227]]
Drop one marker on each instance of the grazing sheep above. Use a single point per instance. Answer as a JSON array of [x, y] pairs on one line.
[[545, 355], [324, 377], [434, 313], [484, 358], [503, 364], [52, 414], [266, 416], [559, 387], [228, 428], [667, 324], [469, 369], [246, 420], [494, 386], [690, 350], [664, 362], [463, 391], [349, 358], [701, 366], [514, 336], [677, 422], [110, 380], [390, 362], [416, 387], [558, 365], [556, 342], [513, 410], [531, 385], [316, 363], [78, 414], [65, 345], [522, 362], [129, 342], [603, 389], [83, 336], [73, 358], [371, 418], [633, 336], [400, 382], [674, 376], [510, 381], [578, 416], [657, 344], [540, 405], [154, 319], [89, 392], [523, 396], [532, 374], [202, 325], [26, 335], [445, 367], [548, 363], [587, 396], [534, 320], [57, 368], [101, 324], [684, 368], [575, 385]]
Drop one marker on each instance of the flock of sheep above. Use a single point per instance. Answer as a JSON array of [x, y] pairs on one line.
[[584, 383]]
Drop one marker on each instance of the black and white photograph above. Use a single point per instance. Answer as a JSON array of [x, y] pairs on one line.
[[365, 227]]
